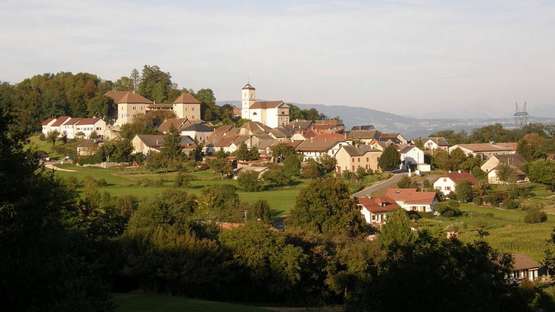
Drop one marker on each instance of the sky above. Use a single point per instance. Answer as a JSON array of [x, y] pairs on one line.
[[470, 58]]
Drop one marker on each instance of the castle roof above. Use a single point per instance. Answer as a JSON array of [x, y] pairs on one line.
[[127, 97], [186, 98]]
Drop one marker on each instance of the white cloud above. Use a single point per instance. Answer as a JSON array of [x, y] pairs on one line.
[[416, 57]]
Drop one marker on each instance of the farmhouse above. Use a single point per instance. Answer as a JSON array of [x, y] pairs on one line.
[[436, 143], [412, 200], [524, 268], [321, 145], [515, 162], [146, 143], [485, 150], [351, 158], [448, 184], [375, 210], [413, 158]]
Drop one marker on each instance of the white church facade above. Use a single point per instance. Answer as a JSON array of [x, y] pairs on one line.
[[271, 113]]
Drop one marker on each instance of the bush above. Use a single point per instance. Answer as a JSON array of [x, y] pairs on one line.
[[535, 216], [449, 209], [511, 203], [248, 181], [312, 169], [182, 179]]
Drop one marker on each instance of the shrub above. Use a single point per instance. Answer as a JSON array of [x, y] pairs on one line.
[[248, 181], [182, 179], [535, 216], [511, 203], [449, 209]]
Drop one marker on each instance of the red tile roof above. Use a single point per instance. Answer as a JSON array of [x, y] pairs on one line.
[[523, 262], [378, 204], [87, 121], [266, 104], [489, 147], [59, 121], [186, 98], [410, 196], [46, 121], [458, 177]]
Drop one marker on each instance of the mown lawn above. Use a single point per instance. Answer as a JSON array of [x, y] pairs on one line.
[[160, 303], [507, 230]]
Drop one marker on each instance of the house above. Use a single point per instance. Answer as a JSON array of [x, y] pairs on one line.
[[413, 158], [514, 161], [86, 147], [412, 200], [328, 126], [197, 131], [392, 138], [364, 136], [177, 123], [485, 150], [448, 183], [130, 105], [74, 127], [271, 113], [321, 145], [375, 210], [351, 158], [363, 127], [146, 143], [436, 143], [186, 106], [524, 269]]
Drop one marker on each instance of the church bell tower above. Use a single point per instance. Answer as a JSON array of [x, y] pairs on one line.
[[248, 97]]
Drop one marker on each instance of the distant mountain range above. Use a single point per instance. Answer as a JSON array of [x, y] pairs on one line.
[[411, 127]]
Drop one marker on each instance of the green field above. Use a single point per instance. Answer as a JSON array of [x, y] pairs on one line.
[[507, 230], [125, 182], [160, 303]]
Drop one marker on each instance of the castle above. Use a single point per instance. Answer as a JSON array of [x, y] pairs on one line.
[[271, 113]]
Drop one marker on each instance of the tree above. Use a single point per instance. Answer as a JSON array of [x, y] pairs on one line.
[[52, 136], [505, 173], [325, 206], [456, 159], [535, 216], [390, 159], [220, 166], [292, 165], [464, 191], [135, 79], [47, 262], [102, 106], [328, 163], [440, 160], [221, 203], [155, 84], [282, 151], [405, 182], [276, 176], [397, 230], [312, 169], [450, 266], [171, 148], [260, 211], [253, 153], [242, 152], [542, 171], [248, 181]]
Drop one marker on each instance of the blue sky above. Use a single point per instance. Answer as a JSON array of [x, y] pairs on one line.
[[420, 58]]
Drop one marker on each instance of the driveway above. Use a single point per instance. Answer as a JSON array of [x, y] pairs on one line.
[[380, 186]]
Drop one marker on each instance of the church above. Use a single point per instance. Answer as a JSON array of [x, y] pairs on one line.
[[271, 113]]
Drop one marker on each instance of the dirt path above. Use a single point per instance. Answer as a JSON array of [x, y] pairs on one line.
[[51, 166], [380, 186]]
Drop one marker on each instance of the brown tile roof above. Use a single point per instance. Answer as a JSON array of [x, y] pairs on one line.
[[318, 144], [410, 196], [300, 124], [489, 147], [458, 177], [378, 204], [46, 121], [523, 262], [363, 134], [87, 121], [157, 140], [127, 97], [441, 141], [360, 150], [186, 98], [267, 104], [59, 121], [167, 124], [512, 160]]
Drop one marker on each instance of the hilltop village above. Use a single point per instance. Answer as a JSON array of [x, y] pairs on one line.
[[265, 193]]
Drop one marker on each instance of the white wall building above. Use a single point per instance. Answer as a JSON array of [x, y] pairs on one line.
[[271, 113], [74, 127]]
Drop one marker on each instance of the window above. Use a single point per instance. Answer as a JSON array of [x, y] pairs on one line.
[[352, 159], [359, 159], [367, 160]]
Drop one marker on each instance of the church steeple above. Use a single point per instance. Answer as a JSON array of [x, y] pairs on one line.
[[248, 97]]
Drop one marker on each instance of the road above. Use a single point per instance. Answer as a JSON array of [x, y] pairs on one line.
[[380, 186]]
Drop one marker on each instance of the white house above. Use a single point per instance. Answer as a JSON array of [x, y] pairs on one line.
[[413, 157], [412, 200], [197, 131], [524, 269], [271, 113], [317, 147], [74, 127], [436, 143], [375, 210], [448, 184]]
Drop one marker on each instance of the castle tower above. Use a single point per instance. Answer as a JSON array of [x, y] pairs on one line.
[[248, 97]]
